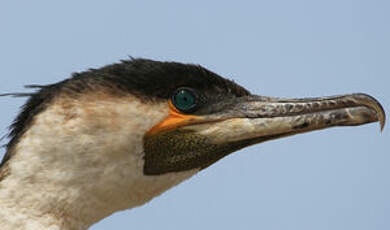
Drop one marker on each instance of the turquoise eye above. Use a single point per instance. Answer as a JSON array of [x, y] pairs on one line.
[[184, 100]]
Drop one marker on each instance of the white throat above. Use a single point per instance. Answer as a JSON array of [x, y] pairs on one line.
[[80, 161]]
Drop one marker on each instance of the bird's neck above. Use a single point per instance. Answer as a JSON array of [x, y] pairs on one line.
[[39, 203], [17, 215], [79, 163]]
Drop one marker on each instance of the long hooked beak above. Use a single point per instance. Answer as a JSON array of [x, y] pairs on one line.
[[259, 118]]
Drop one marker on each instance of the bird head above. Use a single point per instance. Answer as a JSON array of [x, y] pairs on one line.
[[115, 137]]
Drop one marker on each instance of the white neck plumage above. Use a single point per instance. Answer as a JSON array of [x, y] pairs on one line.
[[79, 162]]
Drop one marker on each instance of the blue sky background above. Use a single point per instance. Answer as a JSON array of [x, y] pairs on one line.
[[333, 179]]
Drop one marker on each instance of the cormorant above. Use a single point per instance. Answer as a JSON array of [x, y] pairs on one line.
[[113, 138]]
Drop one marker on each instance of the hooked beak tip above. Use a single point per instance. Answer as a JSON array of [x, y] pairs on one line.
[[373, 104]]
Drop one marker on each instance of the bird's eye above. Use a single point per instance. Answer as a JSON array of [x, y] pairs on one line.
[[185, 100]]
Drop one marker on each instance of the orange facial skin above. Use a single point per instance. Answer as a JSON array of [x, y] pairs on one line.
[[174, 120]]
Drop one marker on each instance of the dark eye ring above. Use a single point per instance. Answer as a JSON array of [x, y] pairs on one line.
[[185, 100]]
